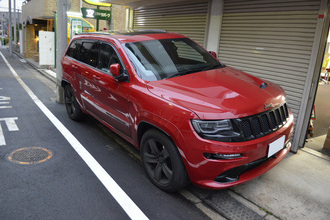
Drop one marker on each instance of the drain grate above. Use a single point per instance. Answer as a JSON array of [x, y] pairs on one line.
[[30, 155]]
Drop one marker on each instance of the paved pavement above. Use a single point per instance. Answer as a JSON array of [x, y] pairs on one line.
[[322, 122], [297, 188]]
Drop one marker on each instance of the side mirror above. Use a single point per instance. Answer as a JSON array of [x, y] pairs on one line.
[[115, 70], [214, 54]]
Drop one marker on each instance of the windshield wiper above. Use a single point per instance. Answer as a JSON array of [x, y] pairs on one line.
[[194, 70]]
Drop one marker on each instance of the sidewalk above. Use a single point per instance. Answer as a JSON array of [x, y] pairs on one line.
[[297, 188]]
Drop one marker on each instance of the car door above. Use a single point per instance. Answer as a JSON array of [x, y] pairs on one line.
[[86, 69], [109, 96]]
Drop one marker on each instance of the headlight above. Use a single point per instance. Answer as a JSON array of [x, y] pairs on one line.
[[221, 130]]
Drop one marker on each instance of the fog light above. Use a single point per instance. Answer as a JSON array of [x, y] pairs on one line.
[[221, 156]]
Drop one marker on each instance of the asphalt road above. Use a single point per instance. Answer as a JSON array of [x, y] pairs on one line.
[[64, 186]]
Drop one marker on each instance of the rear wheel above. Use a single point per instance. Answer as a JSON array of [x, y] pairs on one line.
[[162, 161], [71, 104]]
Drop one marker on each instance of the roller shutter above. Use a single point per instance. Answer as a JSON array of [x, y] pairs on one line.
[[189, 19], [271, 39]]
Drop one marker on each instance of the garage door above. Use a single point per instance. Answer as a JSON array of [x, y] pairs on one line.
[[188, 19], [271, 39]]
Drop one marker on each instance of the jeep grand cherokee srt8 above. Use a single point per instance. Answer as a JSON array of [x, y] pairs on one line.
[[192, 117]]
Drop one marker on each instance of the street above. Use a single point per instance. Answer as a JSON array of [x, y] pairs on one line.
[[54, 168], [47, 161]]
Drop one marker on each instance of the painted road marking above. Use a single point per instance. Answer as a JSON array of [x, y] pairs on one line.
[[2, 137], [11, 124], [131, 209]]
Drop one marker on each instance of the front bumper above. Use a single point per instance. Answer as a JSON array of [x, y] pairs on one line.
[[225, 173]]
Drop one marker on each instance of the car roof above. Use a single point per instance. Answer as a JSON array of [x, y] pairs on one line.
[[128, 36]]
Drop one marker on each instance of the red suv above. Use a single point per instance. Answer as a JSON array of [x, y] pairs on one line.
[[192, 117]]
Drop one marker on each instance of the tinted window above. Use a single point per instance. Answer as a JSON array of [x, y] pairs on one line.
[[107, 57], [89, 52], [74, 49]]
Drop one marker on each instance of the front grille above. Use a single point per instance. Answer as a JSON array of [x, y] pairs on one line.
[[262, 124]]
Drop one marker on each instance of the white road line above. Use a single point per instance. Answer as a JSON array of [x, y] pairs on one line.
[[131, 209], [2, 137], [11, 124], [5, 106]]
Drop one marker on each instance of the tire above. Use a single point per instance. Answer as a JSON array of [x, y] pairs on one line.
[[162, 161], [72, 107]]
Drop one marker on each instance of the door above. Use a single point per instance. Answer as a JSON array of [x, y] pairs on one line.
[[105, 97]]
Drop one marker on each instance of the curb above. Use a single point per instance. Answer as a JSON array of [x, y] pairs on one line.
[[42, 71]]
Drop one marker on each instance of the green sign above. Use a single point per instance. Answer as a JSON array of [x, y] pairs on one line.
[[76, 27], [96, 13]]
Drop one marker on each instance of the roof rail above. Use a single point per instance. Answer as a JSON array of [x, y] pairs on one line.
[[127, 32]]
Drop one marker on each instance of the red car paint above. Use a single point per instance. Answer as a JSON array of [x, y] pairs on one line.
[[171, 104]]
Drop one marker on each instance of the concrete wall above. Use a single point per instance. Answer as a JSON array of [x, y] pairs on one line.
[[34, 9]]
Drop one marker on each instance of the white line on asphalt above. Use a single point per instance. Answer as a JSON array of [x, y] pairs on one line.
[[131, 209], [11, 124], [5, 106], [2, 137]]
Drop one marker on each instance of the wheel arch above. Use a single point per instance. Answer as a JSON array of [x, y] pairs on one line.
[[144, 126], [64, 83]]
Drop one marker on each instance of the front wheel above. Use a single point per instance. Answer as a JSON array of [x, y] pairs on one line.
[[71, 104], [162, 161]]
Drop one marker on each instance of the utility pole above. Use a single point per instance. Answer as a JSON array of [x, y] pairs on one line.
[[9, 30], [61, 37], [15, 34], [3, 31]]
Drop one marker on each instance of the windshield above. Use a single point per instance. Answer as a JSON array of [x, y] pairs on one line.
[[161, 59]]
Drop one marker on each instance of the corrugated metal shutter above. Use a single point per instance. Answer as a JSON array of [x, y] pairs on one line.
[[189, 19], [271, 39]]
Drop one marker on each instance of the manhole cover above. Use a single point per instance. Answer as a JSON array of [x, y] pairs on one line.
[[30, 155]]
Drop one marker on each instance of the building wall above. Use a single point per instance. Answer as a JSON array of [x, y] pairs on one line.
[[34, 9], [43, 9], [119, 17], [31, 42]]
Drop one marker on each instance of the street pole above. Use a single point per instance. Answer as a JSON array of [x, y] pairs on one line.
[[3, 31], [55, 40], [9, 29], [15, 34], [61, 36], [97, 20]]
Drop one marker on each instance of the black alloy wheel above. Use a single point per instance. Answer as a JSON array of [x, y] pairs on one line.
[[71, 104], [162, 161]]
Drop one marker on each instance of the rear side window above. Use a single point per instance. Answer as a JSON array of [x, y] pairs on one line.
[[74, 49], [89, 52]]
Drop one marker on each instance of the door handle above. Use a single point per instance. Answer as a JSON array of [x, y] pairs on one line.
[[96, 77], [74, 67]]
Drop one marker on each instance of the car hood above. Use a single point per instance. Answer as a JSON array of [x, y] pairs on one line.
[[219, 94]]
